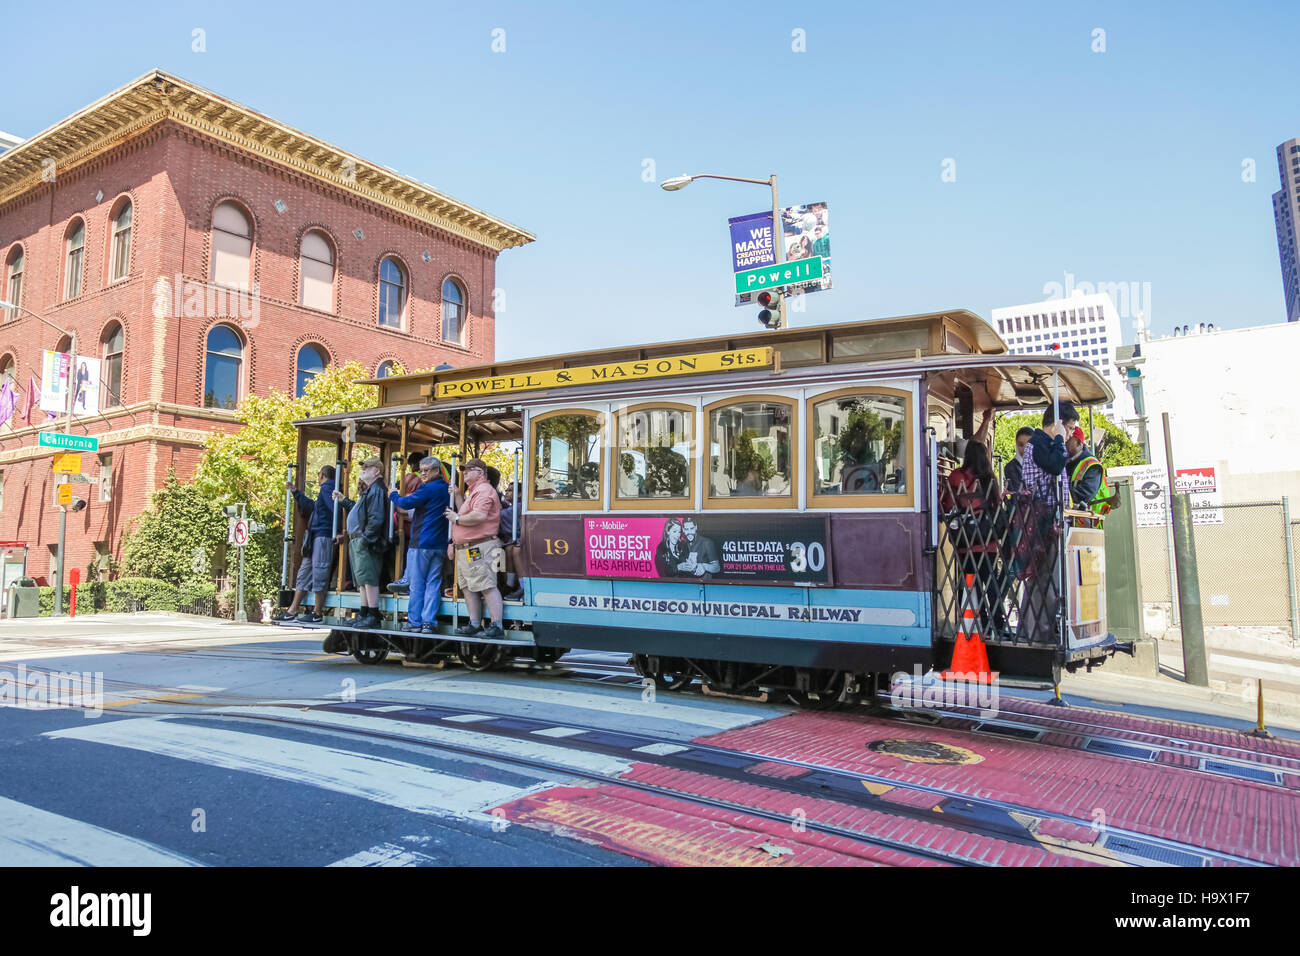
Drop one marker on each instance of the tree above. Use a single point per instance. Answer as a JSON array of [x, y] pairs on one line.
[[1114, 447], [251, 464]]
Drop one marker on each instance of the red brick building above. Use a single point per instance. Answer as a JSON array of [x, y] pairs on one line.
[[205, 252]]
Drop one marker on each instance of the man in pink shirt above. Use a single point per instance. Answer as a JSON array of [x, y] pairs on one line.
[[474, 517]]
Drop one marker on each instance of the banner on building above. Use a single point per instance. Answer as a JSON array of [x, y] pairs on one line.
[[709, 547], [805, 232], [55, 374]]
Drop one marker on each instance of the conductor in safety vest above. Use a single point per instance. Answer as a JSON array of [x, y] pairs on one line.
[[1086, 472]]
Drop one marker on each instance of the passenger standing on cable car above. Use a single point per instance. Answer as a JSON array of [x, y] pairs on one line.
[[405, 522], [367, 528], [477, 551], [1036, 510], [428, 542], [974, 491]]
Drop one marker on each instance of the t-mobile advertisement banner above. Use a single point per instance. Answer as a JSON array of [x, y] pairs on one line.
[[725, 548]]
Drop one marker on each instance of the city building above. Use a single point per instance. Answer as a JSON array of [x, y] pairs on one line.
[[1085, 326], [1231, 398], [1286, 211], [204, 252]]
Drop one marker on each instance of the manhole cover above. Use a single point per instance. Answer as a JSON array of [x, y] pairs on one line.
[[924, 751]]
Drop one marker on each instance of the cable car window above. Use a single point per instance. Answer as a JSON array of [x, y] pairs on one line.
[[656, 449], [750, 450], [566, 458], [859, 444]]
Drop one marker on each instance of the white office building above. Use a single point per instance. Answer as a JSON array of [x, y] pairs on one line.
[[1087, 328]]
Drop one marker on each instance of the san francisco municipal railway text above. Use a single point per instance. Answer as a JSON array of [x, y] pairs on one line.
[[784, 612]]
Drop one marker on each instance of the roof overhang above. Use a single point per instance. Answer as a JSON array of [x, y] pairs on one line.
[[158, 97]]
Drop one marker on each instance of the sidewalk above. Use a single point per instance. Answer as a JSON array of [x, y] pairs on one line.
[[1237, 660]]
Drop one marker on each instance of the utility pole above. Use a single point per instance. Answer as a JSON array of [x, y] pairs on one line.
[[1195, 670]]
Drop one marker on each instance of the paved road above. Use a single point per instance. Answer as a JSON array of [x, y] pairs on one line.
[[189, 742]]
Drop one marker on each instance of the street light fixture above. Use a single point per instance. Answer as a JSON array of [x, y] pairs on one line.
[[778, 243]]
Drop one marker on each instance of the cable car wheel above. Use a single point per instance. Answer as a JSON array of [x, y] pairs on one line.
[[480, 657], [670, 674], [825, 691], [370, 654]]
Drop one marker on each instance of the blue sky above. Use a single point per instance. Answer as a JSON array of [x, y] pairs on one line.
[[1122, 166]]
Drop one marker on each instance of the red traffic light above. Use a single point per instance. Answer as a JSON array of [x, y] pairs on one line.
[[765, 299]]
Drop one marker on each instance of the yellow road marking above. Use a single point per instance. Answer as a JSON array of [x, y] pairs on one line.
[[149, 700]]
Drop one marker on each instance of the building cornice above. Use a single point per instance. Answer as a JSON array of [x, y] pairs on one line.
[[158, 97]]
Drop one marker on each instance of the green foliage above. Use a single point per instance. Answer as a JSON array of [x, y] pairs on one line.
[[250, 465], [862, 431], [1114, 447], [124, 594], [666, 472], [176, 540], [746, 456]]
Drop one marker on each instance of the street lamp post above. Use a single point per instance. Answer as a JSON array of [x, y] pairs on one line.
[[67, 409], [778, 245]]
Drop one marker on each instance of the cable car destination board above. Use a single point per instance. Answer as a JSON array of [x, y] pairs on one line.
[[663, 367]]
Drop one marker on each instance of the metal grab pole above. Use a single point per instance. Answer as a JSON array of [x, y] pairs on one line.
[[514, 507], [288, 530], [334, 533], [1063, 490], [455, 595], [241, 613]]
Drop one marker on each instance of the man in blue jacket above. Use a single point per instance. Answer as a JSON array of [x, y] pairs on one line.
[[428, 544], [314, 572]]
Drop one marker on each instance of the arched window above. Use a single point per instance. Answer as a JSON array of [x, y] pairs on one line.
[[120, 263], [232, 246], [64, 345], [221, 371], [111, 371], [75, 246], [310, 364], [392, 294], [386, 369], [14, 281], [453, 311], [316, 288]]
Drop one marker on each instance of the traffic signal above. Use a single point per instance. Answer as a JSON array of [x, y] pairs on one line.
[[77, 504], [773, 314]]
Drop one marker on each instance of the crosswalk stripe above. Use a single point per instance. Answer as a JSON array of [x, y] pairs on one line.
[[30, 836], [391, 708], [468, 718], [433, 733], [559, 732], [660, 750], [384, 854], [709, 715], [391, 782]]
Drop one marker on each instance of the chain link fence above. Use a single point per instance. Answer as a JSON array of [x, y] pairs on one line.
[[1242, 563]]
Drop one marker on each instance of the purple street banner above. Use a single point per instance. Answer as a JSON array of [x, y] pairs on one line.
[[751, 241], [728, 548]]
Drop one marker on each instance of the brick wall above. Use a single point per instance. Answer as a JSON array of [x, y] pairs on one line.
[[175, 177]]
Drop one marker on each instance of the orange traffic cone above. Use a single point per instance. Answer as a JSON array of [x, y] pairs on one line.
[[970, 659]]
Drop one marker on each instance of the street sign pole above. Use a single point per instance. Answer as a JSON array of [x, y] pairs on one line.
[[778, 247], [241, 615], [1195, 670], [58, 580]]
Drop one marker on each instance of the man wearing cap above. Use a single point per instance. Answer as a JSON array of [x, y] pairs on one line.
[[1086, 472], [367, 528], [477, 550], [1042, 475]]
